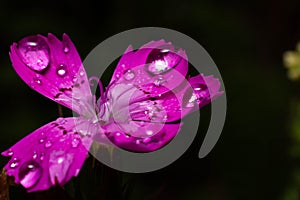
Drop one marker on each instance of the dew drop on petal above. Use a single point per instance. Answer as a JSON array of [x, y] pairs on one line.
[[37, 80], [159, 81], [81, 73], [14, 163], [147, 140], [75, 142], [161, 61], [34, 52], [149, 132], [30, 173], [158, 67], [129, 75], [191, 102], [48, 144], [42, 156], [190, 105], [61, 70], [201, 92], [118, 134], [35, 155], [10, 152], [66, 48], [42, 140]]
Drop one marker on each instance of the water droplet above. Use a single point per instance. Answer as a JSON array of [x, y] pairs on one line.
[[165, 50], [137, 141], [34, 52], [192, 101], [42, 156], [30, 173], [75, 142], [161, 61], [14, 163], [148, 111], [66, 48], [146, 140], [42, 140], [10, 152], [190, 105], [118, 134], [81, 73], [129, 75], [60, 160], [158, 67], [37, 80], [61, 70], [48, 144], [35, 155], [201, 92], [158, 82], [149, 132]]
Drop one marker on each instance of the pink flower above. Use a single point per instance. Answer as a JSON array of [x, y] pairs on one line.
[[140, 110]]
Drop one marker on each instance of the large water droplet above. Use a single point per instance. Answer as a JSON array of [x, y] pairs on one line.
[[161, 61], [158, 67], [75, 142], [30, 173], [34, 52], [129, 75], [14, 163], [61, 70]]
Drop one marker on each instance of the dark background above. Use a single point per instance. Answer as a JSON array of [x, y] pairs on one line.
[[246, 39]]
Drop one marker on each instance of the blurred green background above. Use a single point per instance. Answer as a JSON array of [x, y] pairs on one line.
[[258, 154]]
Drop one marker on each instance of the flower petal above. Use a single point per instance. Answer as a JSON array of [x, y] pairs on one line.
[[53, 68], [153, 65], [193, 94], [51, 155]]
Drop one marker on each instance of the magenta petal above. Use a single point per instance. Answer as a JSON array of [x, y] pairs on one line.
[[193, 94], [53, 68], [51, 155], [154, 65]]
